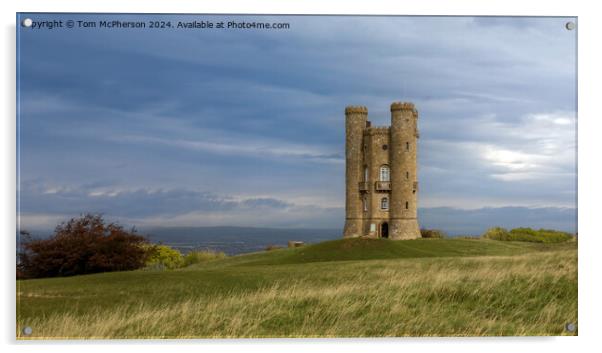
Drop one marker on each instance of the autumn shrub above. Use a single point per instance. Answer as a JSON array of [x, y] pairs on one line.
[[163, 256], [496, 233], [82, 245]]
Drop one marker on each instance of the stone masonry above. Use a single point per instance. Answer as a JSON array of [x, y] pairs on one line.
[[381, 175]]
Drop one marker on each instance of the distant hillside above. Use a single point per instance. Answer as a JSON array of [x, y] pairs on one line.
[[225, 233], [453, 221], [456, 221], [235, 240]]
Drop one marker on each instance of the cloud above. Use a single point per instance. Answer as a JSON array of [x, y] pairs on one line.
[[163, 207], [245, 147], [504, 162], [180, 207], [194, 209], [545, 149], [112, 119]]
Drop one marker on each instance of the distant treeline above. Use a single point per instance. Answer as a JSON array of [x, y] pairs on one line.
[[527, 234]]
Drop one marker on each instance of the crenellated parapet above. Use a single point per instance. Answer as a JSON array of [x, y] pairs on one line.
[[356, 109], [402, 106], [377, 130]]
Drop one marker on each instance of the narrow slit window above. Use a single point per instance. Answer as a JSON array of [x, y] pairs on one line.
[[407, 146], [407, 205]]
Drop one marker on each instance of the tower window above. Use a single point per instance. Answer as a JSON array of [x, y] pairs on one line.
[[385, 174], [407, 175], [407, 146], [365, 173], [365, 204], [384, 203], [385, 147], [407, 205]]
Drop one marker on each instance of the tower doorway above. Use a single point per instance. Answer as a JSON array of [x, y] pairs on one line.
[[384, 230]]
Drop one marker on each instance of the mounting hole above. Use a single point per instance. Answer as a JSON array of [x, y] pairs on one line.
[[26, 22], [570, 25], [27, 330]]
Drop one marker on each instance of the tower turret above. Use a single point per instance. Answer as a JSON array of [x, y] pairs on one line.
[[355, 122], [404, 176]]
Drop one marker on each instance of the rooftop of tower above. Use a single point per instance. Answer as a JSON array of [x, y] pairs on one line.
[[356, 109], [402, 106]]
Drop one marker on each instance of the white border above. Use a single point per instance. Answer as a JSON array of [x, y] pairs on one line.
[[589, 170]]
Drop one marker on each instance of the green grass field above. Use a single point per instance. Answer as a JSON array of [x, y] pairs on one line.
[[341, 288]]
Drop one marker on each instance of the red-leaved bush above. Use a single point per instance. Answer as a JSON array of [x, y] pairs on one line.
[[82, 245]]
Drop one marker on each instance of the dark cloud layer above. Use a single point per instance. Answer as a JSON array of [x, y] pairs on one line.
[[218, 127], [156, 208]]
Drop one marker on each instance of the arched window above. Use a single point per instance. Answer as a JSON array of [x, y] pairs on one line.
[[365, 203], [407, 146], [385, 174], [384, 203], [366, 173], [407, 205]]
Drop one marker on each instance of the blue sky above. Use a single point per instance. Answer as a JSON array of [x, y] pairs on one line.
[[246, 127]]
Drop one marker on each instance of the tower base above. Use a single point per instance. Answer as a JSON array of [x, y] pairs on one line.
[[353, 228], [404, 229]]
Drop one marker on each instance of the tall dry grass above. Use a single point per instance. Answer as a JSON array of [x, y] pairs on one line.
[[533, 294]]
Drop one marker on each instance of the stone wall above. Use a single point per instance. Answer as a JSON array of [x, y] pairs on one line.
[[374, 147]]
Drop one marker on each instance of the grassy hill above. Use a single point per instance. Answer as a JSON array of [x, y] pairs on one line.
[[341, 288]]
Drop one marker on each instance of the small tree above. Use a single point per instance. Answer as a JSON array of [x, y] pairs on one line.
[[82, 245], [496, 233], [432, 233], [163, 255]]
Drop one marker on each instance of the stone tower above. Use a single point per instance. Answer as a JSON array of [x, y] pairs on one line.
[[381, 175]]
